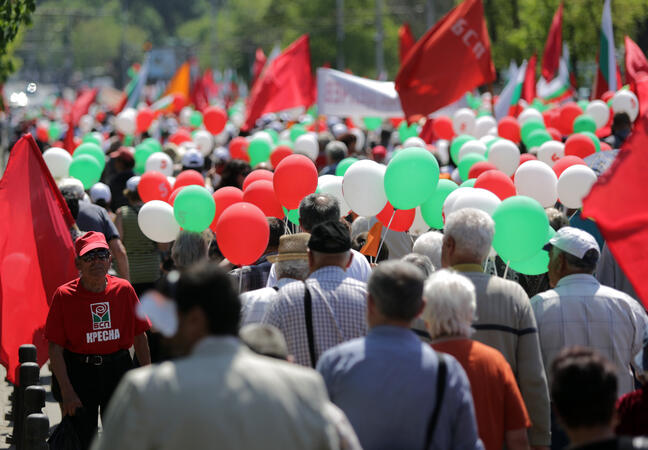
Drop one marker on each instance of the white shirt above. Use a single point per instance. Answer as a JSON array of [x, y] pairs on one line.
[[581, 311], [358, 270], [254, 304]]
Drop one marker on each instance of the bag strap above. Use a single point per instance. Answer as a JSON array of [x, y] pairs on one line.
[[440, 389], [308, 315]]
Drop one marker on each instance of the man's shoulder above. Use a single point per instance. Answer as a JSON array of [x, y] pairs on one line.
[[69, 288], [492, 285], [119, 285], [258, 294]]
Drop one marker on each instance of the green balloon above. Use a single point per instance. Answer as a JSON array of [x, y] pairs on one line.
[[86, 169], [584, 123], [89, 148], [89, 137], [372, 123], [467, 162], [128, 140], [432, 208], [259, 151], [536, 265], [583, 104], [469, 183], [343, 165], [54, 132], [153, 143], [142, 152], [273, 134], [530, 126], [594, 138], [411, 177], [520, 228], [537, 138], [296, 131], [405, 131], [194, 208], [456, 146], [196, 119], [292, 214], [483, 113]]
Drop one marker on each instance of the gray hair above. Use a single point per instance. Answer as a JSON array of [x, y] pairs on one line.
[[293, 268], [318, 208], [450, 304], [472, 231], [430, 244], [420, 261], [396, 288], [336, 150], [189, 248], [72, 188]]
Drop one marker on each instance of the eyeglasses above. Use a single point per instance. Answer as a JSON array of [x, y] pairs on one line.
[[101, 255]]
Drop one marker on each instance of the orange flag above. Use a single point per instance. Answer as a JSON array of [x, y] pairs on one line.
[[181, 81], [373, 240]]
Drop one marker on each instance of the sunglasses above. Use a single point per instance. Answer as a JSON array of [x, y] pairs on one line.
[[101, 255]]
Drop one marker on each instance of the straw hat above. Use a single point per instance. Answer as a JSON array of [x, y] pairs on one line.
[[291, 246]]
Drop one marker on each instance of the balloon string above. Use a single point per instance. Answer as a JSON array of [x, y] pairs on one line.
[[241, 278], [506, 270], [382, 241], [573, 214]]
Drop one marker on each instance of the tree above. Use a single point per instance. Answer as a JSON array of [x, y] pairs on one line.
[[13, 14]]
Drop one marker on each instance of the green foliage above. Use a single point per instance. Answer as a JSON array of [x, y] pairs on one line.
[[13, 14]]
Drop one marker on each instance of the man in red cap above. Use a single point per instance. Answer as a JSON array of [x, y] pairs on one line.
[[90, 327]]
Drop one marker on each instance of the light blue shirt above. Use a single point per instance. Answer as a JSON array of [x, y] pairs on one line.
[[386, 385]]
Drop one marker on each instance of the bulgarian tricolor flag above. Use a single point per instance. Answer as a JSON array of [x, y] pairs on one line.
[[608, 76], [559, 88], [510, 96]]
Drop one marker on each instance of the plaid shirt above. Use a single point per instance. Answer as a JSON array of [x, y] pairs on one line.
[[339, 312], [254, 276]]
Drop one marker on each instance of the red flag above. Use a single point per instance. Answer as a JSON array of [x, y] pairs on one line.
[[450, 59], [636, 68], [211, 88], [259, 63], [82, 104], [529, 84], [36, 252], [553, 47], [198, 95], [406, 41], [286, 83]]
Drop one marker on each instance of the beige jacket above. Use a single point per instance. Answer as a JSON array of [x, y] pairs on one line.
[[505, 321], [221, 396]]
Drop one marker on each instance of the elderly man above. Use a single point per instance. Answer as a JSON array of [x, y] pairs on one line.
[[90, 327], [396, 391], [449, 312], [429, 244], [329, 307], [319, 208], [291, 264], [581, 311], [220, 394], [335, 152], [505, 319]]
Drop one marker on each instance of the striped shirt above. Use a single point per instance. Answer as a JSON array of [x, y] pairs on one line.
[[143, 256]]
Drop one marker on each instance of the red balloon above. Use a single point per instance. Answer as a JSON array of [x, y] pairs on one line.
[[42, 134], [567, 161], [261, 193], [497, 182], [579, 145], [402, 220], [224, 198], [279, 153], [153, 186], [180, 136], [242, 233], [568, 114], [214, 119], [509, 128], [607, 95], [551, 117], [179, 102], [173, 195], [479, 168], [605, 146], [524, 157], [189, 177], [238, 149], [294, 178], [395, 121], [256, 175], [442, 127], [144, 120]]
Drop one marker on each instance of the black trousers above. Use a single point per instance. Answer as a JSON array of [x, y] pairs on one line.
[[94, 385]]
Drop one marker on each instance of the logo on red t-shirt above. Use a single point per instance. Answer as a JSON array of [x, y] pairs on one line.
[[100, 316]]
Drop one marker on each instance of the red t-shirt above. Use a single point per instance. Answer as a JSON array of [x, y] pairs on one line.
[[94, 323], [498, 403]]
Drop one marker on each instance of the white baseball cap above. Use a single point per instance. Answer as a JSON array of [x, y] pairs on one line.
[[132, 183], [100, 191], [193, 159], [573, 241]]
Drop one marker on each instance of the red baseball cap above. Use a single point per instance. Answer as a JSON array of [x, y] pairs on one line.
[[379, 150], [90, 241], [124, 154]]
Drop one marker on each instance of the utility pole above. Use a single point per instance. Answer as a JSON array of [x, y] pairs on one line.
[[429, 14], [339, 10], [380, 36]]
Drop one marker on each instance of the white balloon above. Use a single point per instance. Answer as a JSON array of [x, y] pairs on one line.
[[204, 141], [363, 187], [550, 152], [418, 226], [125, 121], [414, 141], [307, 144], [157, 222], [97, 135], [505, 155], [599, 111], [448, 204], [473, 146], [487, 138], [537, 180], [528, 114], [574, 184], [185, 115], [332, 185], [263, 135], [284, 135], [483, 125], [160, 162], [463, 121], [171, 180], [626, 101], [86, 123], [58, 161], [477, 198]]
